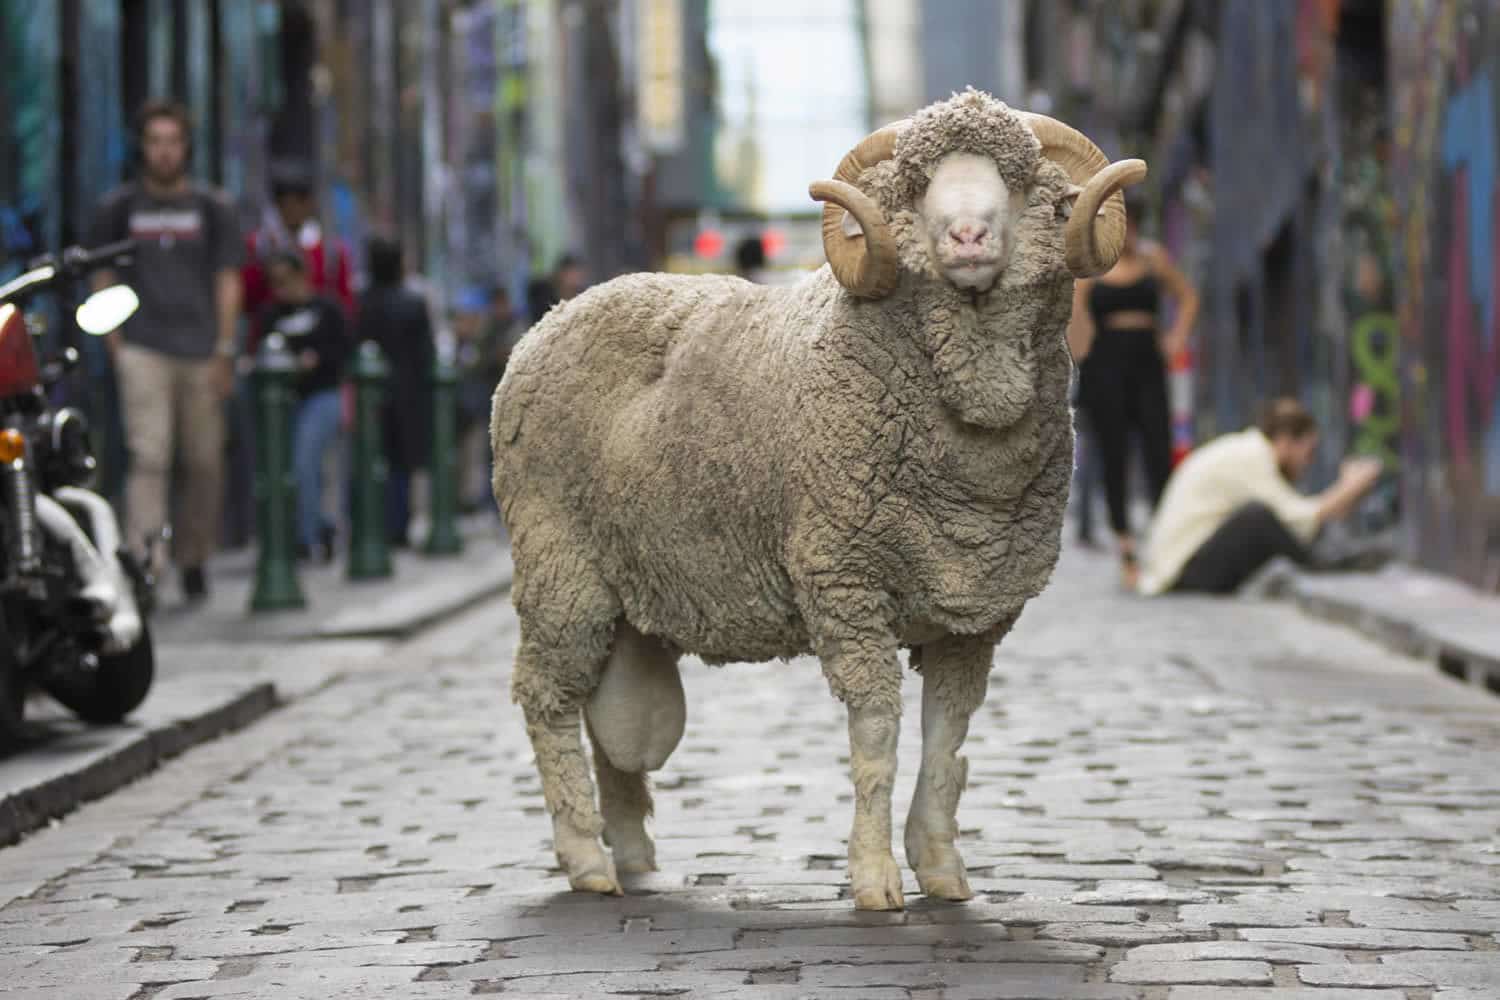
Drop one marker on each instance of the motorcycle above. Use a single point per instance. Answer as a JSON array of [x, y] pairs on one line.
[[74, 602]]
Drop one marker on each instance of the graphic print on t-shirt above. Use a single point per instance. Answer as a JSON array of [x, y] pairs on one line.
[[166, 225]]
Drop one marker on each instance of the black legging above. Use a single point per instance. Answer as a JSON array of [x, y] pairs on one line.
[[1252, 537], [1123, 386]]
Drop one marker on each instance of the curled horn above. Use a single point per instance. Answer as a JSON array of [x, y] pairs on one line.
[[1095, 233], [865, 262]]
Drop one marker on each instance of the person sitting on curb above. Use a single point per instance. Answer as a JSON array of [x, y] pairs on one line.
[[1231, 506]]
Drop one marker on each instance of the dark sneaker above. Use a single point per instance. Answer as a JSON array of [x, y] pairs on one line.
[[194, 584]]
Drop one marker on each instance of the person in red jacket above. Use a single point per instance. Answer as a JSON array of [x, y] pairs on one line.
[[292, 224]]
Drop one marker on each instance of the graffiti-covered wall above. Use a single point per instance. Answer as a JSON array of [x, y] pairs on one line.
[[1445, 104], [29, 97]]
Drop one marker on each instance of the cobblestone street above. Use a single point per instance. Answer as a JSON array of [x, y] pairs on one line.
[[1192, 800]]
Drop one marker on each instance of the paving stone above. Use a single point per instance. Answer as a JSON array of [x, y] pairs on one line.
[[1047, 870], [54, 975], [1210, 972], [1251, 913], [1274, 993], [1472, 970], [1141, 894], [877, 939], [791, 958], [1122, 935], [1006, 990], [1361, 975], [558, 964], [1354, 937], [1257, 951], [708, 939], [928, 975], [1414, 919]]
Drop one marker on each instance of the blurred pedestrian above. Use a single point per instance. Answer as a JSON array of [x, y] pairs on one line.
[[1123, 375], [396, 319], [1232, 506], [505, 329], [317, 335], [474, 355], [290, 225], [174, 358], [567, 280], [750, 259]]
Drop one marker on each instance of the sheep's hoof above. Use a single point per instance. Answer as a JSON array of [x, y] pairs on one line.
[[877, 884], [941, 874], [603, 883], [948, 885]]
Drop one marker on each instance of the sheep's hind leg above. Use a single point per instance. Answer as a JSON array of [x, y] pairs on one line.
[[635, 717], [955, 672], [569, 792], [625, 801], [557, 664]]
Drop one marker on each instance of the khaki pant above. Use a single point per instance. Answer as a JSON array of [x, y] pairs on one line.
[[172, 411]]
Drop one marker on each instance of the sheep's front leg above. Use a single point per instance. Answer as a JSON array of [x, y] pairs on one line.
[[569, 793], [866, 675], [955, 671]]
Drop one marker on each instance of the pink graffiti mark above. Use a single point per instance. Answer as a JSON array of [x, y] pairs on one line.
[[1473, 371], [1361, 403]]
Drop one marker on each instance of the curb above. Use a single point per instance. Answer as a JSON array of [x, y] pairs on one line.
[[26, 810], [1445, 644], [403, 628]]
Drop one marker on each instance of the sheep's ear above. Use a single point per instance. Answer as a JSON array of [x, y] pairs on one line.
[[851, 226]]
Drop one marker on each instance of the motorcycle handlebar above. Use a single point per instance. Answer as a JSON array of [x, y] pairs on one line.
[[74, 262], [78, 259]]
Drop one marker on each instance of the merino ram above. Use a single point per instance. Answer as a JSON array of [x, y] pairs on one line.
[[876, 458]]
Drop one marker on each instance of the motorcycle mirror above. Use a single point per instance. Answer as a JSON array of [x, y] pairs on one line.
[[106, 309]]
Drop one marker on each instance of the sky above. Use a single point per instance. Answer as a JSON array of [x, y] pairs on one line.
[[801, 59]]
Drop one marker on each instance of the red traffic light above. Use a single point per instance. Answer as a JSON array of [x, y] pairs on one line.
[[708, 243]]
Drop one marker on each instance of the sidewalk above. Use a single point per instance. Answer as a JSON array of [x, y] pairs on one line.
[[422, 589], [1418, 613], [218, 667]]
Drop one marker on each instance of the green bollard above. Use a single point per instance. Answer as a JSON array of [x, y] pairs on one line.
[[369, 548], [444, 539], [276, 585]]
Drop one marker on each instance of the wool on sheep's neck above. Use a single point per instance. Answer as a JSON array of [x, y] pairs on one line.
[[982, 350], [982, 347]]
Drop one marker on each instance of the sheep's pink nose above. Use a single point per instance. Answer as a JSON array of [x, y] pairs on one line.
[[968, 233]]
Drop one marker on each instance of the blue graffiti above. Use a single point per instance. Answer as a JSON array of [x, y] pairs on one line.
[[1469, 139]]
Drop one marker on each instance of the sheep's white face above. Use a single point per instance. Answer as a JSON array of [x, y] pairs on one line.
[[969, 217]]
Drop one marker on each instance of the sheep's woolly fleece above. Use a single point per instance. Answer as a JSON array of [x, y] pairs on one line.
[[971, 122], [750, 472]]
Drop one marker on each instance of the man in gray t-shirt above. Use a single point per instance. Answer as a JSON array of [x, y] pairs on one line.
[[174, 358]]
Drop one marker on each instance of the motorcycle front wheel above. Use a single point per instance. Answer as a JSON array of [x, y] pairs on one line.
[[114, 689], [12, 690]]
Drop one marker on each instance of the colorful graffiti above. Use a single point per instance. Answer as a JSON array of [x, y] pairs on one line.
[[1373, 340], [1446, 113]]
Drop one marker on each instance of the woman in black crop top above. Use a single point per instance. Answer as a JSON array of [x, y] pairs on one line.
[[1122, 368]]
